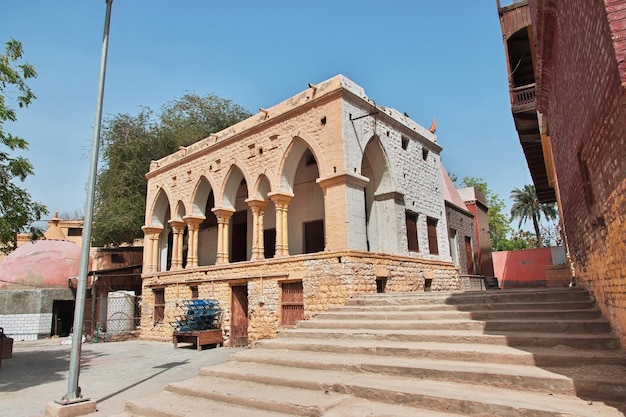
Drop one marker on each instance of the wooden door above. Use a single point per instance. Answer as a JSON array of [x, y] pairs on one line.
[[239, 316], [292, 303]]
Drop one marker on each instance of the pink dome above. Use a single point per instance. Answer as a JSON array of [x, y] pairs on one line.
[[44, 263]]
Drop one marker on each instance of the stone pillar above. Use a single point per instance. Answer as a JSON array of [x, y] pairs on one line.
[[344, 211], [257, 205], [281, 203], [223, 219], [151, 247], [193, 223], [178, 229]]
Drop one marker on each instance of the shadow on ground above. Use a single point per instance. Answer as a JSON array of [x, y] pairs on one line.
[[32, 368]]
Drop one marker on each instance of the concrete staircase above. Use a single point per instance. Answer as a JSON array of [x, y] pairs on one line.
[[498, 353]]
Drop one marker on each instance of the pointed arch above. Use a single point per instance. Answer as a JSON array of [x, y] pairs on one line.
[[291, 159], [234, 194], [300, 169], [160, 208], [262, 187], [179, 212], [200, 196], [380, 175], [379, 201], [234, 179]]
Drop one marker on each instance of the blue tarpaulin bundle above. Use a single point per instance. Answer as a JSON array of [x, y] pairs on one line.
[[200, 314]]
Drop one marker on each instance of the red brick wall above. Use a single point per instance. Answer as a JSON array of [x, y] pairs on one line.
[[583, 99], [616, 12]]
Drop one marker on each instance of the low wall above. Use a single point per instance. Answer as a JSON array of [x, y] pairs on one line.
[[526, 268], [27, 314]]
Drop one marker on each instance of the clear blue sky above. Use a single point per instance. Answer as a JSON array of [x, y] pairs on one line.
[[428, 58]]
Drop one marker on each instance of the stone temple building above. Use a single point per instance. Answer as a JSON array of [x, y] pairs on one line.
[[293, 210]]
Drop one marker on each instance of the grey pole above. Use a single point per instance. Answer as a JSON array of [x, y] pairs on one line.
[[73, 390]]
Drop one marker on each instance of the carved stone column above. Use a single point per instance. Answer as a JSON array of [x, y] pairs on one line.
[[223, 219], [281, 203], [178, 229], [151, 247], [257, 205], [193, 223]]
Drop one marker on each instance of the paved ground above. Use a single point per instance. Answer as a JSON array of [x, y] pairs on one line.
[[111, 373]]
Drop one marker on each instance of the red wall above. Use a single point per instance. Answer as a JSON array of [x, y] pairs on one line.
[[581, 62], [522, 268]]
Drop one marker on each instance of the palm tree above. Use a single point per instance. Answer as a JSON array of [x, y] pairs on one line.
[[526, 206]]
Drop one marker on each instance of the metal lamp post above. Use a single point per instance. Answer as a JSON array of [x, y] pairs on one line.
[[73, 390]]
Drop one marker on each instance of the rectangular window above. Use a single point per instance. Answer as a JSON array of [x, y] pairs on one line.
[[75, 231], [314, 236], [117, 258], [469, 255], [269, 243], [381, 284], [159, 305], [411, 232], [454, 250], [194, 292], [433, 246]]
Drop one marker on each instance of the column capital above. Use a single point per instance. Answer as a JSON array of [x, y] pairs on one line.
[[351, 180], [224, 213], [280, 197], [193, 221], [256, 203], [151, 230], [177, 225]]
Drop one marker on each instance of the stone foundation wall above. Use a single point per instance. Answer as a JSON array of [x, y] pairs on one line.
[[328, 280]]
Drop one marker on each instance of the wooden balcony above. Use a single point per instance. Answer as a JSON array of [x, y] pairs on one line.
[[523, 98]]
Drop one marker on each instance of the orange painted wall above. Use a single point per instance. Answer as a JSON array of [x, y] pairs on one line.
[[522, 268]]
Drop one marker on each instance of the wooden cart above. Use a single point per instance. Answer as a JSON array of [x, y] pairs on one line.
[[199, 338]]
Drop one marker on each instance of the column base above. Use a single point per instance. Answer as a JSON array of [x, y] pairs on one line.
[[79, 408]]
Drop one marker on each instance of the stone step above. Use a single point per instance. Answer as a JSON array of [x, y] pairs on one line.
[[392, 314], [599, 325], [542, 339], [511, 353], [290, 400], [472, 297], [522, 377], [172, 404], [564, 305], [597, 382], [442, 396], [480, 353]]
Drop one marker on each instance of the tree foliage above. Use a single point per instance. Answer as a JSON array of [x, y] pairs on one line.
[[526, 206], [130, 142], [17, 209], [499, 225]]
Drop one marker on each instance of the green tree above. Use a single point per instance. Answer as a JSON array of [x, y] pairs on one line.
[[499, 225], [130, 142], [526, 206], [17, 209]]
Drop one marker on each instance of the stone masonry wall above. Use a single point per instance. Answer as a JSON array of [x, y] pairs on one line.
[[463, 224], [329, 279], [414, 165]]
